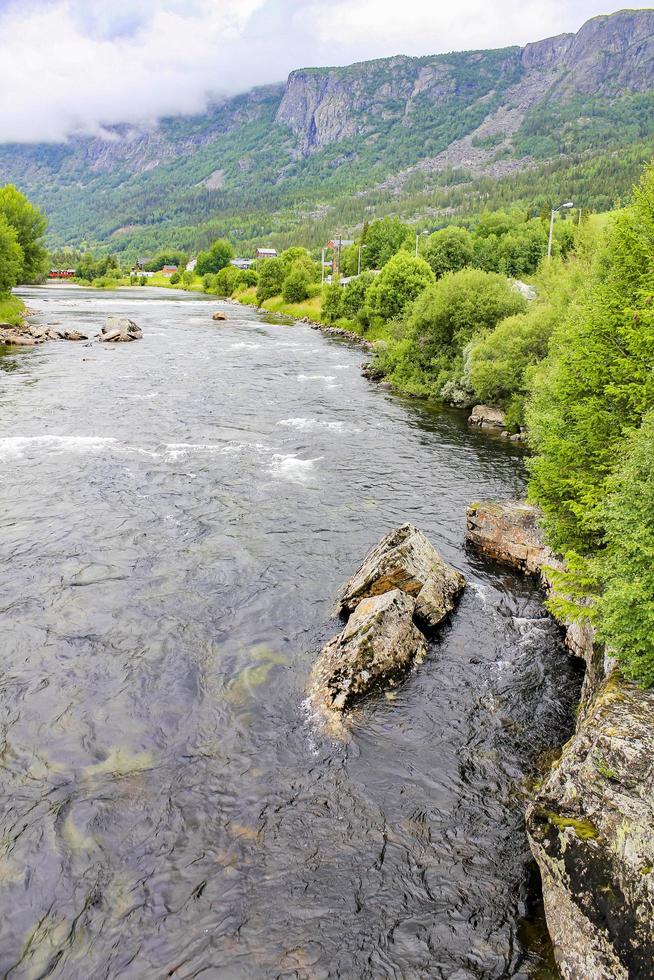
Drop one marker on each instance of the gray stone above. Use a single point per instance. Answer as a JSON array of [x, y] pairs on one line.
[[405, 560], [487, 417], [119, 329], [379, 640]]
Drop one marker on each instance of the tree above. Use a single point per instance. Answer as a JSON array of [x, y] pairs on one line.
[[271, 278], [597, 383], [167, 257], [225, 282], [448, 250], [354, 294], [295, 288], [11, 257], [401, 280], [29, 224], [216, 258], [625, 565], [296, 257], [443, 321], [384, 238]]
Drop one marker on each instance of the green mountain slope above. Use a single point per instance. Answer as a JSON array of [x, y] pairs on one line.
[[419, 136]]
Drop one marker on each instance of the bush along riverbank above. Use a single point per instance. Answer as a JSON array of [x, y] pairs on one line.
[[590, 409]]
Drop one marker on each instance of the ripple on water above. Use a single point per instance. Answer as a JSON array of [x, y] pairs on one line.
[[170, 568]]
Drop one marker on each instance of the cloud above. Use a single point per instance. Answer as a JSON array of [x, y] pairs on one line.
[[78, 66]]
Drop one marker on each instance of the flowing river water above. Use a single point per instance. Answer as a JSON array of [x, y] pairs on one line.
[[178, 514]]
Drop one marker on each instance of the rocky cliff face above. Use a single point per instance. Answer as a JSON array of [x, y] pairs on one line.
[[591, 822], [610, 55]]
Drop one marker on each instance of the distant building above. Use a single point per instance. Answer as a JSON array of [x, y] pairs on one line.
[[61, 274], [266, 253], [242, 263], [169, 270], [337, 243]]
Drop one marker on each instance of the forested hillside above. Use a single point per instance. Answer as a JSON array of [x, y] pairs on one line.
[[423, 137]]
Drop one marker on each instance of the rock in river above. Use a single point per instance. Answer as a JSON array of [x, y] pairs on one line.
[[118, 329], [405, 560], [379, 640], [219, 315]]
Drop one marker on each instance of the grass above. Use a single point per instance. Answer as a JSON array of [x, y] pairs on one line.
[[11, 310]]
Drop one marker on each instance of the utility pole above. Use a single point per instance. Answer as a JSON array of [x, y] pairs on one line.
[[322, 266], [553, 212]]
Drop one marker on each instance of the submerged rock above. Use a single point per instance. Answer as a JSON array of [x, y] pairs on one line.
[[405, 560], [118, 329], [379, 640]]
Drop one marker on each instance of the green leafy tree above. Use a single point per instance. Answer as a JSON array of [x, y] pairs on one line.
[[625, 565], [271, 278], [167, 257], [332, 304], [295, 258], [354, 295], [448, 250], [29, 224], [401, 280], [11, 257], [216, 258], [597, 382], [463, 305], [384, 238], [295, 288], [227, 281]]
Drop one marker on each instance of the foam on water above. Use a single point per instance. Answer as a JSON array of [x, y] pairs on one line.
[[15, 447], [291, 467], [304, 425]]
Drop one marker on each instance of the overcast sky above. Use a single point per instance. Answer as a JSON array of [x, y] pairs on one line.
[[71, 66]]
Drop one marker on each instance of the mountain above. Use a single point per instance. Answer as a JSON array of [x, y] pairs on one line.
[[425, 137]]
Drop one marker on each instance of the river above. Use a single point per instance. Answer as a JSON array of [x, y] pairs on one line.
[[178, 514]]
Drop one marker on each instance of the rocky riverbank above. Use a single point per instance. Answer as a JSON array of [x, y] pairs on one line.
[[591, 821]]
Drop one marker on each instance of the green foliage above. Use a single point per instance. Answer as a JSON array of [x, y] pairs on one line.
[[354, 295], [295, 288], [29, 225], [428, 357], [90, 267], [11, 257], [401, 280], [597, 382], [332, 304], [227, 281], [498, 361], [625, 565], [384, 238], [271, 278], [167, 257], [175, 278], [448, 250], [215, 258], [249, 278]]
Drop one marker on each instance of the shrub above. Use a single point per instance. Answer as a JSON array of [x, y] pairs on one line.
[[498, 361], [448, 250], [175, 278], [249, 278], [332, 304], [625, 568], [226, 281], [354, 295], [401, 280], [271, 278], [218, 256], [295, 287]]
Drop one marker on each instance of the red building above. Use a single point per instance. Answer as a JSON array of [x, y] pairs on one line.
[[61, 274]]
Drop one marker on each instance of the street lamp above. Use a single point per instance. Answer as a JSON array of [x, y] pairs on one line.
[[359, 260], [561, 207], [418, 234]]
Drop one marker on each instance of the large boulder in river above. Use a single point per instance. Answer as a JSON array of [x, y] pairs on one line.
[[405, 560], [379, 640], [219, 315], [118, 329], [487, 417]]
